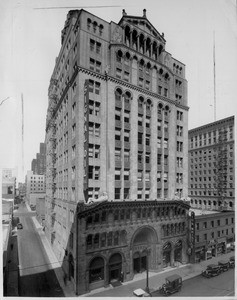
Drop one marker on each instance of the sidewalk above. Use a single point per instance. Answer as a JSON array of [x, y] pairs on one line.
[[156, 279], [12, 277], [54, 264]]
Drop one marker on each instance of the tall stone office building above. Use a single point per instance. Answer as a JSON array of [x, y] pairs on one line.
[[116, 152]]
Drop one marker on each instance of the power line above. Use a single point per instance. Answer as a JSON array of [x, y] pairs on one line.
[[4, 100]]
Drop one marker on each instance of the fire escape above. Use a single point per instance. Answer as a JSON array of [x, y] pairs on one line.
[[222, 169], [52, 158]]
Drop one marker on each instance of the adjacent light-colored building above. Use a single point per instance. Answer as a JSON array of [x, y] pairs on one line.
[[35, 187], [8, 183], [116, 132], [212, 165]]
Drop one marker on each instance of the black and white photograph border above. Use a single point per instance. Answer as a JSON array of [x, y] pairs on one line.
[[117, 155]]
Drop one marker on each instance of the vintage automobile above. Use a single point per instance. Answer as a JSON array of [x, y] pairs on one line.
[[232, 262], [172, 285], [211, 271], [19, 226], [224, 265]]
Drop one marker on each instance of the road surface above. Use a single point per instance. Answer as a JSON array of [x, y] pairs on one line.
[[222, 285], [36, 277]]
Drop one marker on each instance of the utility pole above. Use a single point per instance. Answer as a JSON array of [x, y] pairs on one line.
[[214, 71], [22, 132]]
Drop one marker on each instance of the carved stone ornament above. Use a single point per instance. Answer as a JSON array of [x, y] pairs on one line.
[[117, 36]]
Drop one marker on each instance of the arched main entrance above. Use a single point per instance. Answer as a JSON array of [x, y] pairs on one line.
[[167, 254], [142, 243], [115, 267], [178, 251], [96, 273]]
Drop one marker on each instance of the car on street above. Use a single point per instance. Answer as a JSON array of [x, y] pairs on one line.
[[232, 262], [19, 226], [172, 285], [224, 265], [211, 271]]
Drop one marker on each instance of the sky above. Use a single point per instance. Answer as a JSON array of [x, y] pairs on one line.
[[30, 34]]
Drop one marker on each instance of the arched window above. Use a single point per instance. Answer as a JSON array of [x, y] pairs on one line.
[[88, 23], [140, 102], [160, 49], [127, 36], [101, 27], [94, 26], [96, 269], [127, 58], [127, 97], [159, 109], [119, 56], [134, 39], [118, 95]]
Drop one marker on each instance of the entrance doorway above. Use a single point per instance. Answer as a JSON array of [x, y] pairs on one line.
[[115, 267], [139, 262], [178, 251], [166, 255]]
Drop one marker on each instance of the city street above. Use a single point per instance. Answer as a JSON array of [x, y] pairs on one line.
[[222, 285], [199, 286], [36, 277]]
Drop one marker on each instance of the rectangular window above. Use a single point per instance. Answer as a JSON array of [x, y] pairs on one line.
[[159, 90], [118, 73], [117, 174]]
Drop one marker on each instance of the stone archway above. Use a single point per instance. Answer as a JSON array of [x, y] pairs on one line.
[[96, 272], [143, 244]]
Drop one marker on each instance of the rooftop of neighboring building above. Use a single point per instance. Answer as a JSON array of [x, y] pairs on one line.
[[199, 213]]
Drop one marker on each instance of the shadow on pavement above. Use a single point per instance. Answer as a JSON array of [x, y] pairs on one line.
[[44, 284]]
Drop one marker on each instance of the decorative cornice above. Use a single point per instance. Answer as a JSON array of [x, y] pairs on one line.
[[84, 210], [212, 125]]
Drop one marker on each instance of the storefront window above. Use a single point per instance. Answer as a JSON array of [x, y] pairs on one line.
[[96, 271]]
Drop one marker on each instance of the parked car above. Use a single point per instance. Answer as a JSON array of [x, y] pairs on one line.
[[19, 226], [232, 262], [172, 285], [211, 271], [224, 265]]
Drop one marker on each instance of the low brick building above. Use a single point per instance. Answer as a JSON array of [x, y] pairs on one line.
[[214, 233]]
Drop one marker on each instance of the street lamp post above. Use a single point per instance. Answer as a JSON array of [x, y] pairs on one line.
[[148, 250]]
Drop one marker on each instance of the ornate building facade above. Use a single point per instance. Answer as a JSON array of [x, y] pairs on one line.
[[116, 240], [117, 130]]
